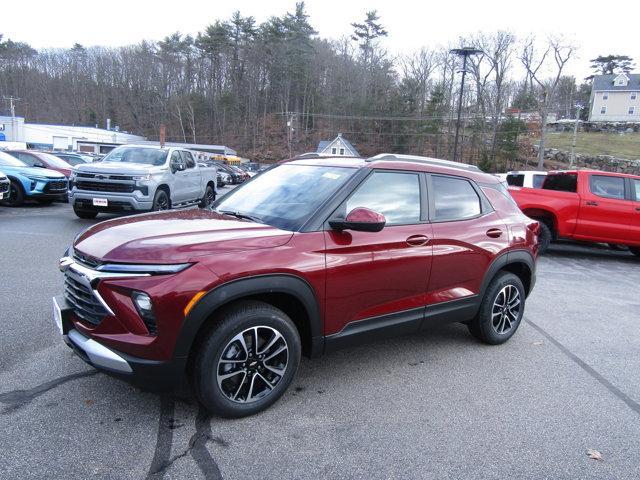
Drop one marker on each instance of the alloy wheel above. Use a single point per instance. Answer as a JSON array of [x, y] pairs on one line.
[[506, 310], [252, 364]]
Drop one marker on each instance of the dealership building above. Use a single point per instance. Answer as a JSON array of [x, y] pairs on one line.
[[63, 137]]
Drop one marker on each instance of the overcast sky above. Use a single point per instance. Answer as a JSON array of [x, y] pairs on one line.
[[610, 28]]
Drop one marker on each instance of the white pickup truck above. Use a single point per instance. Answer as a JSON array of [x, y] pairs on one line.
[[141, 178], [523, 178]]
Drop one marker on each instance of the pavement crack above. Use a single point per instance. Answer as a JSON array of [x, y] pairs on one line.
[[632, 404], [161, 456], [198, 446], [17, 399]]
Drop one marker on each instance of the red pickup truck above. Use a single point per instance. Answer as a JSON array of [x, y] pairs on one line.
[[585, 205]]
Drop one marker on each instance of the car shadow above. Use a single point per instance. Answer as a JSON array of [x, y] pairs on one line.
[[601, 252]]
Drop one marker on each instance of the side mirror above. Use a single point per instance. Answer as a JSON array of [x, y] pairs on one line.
[[177, 167], [360, 219]]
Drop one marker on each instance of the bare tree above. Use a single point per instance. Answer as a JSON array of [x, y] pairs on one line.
[[552, 60]]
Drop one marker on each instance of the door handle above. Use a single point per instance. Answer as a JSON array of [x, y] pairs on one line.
[[417, 240], [638, 209], [592, 203], [494, 232]]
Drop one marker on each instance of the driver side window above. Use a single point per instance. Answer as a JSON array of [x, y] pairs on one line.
[[394, 195], [176, 161]]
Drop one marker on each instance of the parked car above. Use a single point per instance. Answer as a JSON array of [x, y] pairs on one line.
[[5, 184], [138, 178], [585, 205], [31, 183], [243, 175], [310, 256], [42, 160], [73, 159], [524, 178], [234, 177]]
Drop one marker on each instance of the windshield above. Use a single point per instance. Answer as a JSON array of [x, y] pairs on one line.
[[55, 161], [9, 161], [285, 196], [143, 155]]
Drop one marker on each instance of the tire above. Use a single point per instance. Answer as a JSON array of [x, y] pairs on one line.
[[223, 342], [495, 324], [208, 198], [161, 201], [635, 251], [85, 213], [544, 237], [16, 195]]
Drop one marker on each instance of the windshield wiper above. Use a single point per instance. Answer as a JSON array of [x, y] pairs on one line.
[[241, 215]]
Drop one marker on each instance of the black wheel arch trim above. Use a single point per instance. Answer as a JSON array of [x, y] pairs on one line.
[[246, 287], [509, 258]]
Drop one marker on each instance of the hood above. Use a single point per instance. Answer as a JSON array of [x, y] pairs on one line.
[[34, 171], [117, 167], [175, 237]]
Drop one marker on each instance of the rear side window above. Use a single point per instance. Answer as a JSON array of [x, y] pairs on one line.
[[454, 198], [394, 195], [606, 186], [636, 187], [515, 180], [564, 182], [538, 180]]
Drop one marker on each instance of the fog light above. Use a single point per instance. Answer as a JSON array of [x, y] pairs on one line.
[[143, 304]]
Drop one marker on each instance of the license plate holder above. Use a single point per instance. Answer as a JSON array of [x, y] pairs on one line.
[[100, 202]]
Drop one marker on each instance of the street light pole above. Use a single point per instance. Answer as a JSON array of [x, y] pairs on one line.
[[575, 136], [465, 52]]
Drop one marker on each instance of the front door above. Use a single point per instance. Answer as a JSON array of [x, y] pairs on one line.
[[634, 233], [193, 177], [180, 190], [605, 213], [371, 276]]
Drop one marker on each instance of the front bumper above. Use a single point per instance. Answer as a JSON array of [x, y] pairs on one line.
[[115, 202], [148, 374]]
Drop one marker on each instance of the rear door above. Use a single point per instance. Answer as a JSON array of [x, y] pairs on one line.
[[467, 234], [380, 277], [606, 211], [192, 173]]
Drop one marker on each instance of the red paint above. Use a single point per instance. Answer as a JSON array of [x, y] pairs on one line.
[[583, 215], [354, 274]]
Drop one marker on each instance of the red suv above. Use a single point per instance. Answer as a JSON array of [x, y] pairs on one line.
[[311, 255]]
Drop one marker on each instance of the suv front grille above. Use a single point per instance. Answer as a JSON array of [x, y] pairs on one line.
[[104, 187], [85, 305], [85, 260], [55, 186]]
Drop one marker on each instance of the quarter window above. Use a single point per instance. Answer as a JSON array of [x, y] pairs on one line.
[[606, 186], [394, 195], [455, 198]]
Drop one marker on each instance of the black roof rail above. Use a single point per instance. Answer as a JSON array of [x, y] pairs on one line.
[[426, 160]]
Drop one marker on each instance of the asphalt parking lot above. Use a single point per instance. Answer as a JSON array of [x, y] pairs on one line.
[[437, 405]]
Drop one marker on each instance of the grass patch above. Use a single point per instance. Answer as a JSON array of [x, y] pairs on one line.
[[626, 145]]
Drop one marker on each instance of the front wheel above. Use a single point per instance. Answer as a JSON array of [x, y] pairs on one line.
[[16, 196], [501, 311], [161, 201], [247, 361], [85, 213]]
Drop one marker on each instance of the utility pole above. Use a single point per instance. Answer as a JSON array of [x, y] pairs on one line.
[[13, 115], [290, 130], [575, 136], [465, 52]]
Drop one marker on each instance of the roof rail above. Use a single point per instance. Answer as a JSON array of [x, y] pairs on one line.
[[427, 160], [308, 155]]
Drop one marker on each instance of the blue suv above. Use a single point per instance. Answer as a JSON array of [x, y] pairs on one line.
[[34, 183]]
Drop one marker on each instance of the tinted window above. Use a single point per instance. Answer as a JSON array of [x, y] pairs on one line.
[[564, 182], [455, 198], [515, 180], [394, 195], [286, 195], [606, 186], [538, 180], [188, 159]]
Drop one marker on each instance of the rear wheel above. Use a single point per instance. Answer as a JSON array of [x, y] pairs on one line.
[[85, 212], [247, 361], [161, 201], [501, 311], [208, 198], [544, 237], [16, 195]]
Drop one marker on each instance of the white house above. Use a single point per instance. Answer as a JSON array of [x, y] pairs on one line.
[[338, 146], [614, 98]]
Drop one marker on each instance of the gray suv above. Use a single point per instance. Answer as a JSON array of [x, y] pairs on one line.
[[141, 178]]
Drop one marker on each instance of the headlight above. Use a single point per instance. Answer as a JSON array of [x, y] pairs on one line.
[[143, 304], [36, 178], [138, 178]]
